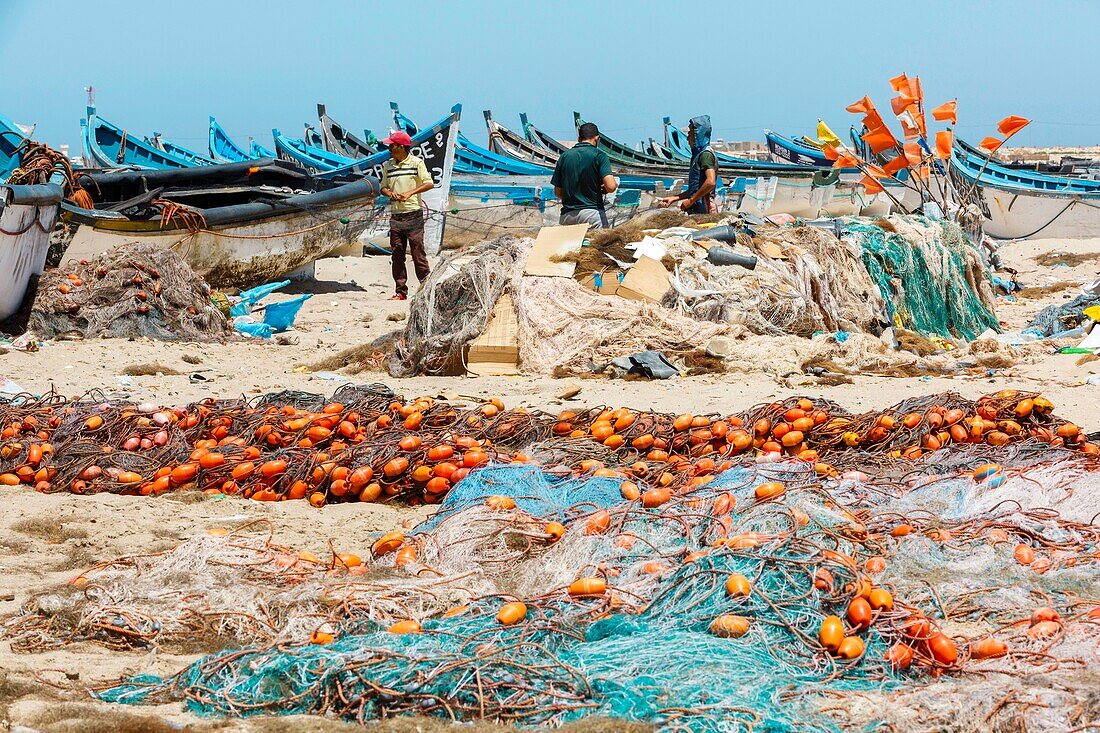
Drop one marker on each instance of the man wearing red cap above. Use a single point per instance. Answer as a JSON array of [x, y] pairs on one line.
[[404, 178]]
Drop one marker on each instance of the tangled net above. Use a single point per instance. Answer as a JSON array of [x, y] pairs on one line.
[[539, 597], [1063, 317], [135, 290], [905, 271], [366, 444]]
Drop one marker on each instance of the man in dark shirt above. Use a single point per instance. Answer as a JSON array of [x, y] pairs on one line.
[[581, 178], [698, 195]]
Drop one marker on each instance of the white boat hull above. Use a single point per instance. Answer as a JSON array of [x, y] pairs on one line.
[[24, 242], [1012, 215], [246, 254]]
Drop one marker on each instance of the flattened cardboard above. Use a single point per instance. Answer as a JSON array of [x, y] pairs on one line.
[[647, 280], [496, 351], [553, 241]]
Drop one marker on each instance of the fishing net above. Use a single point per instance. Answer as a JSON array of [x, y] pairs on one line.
[[662, 561], [453, 306], [636, 638], [933, 279], [135, 290], [1064, 317], [906, 271]]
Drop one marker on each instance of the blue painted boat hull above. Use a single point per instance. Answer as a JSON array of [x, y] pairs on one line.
[[109, 146]]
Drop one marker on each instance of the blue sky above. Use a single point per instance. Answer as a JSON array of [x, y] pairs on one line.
[[750, 65]]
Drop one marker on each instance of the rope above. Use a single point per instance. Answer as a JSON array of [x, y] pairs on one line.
[[35, 221]]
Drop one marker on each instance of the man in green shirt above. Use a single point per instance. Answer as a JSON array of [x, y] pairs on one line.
[[698, 195], [404, 178], [581, 177]]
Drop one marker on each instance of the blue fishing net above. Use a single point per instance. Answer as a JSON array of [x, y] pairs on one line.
[[643, 651], [928, 289]]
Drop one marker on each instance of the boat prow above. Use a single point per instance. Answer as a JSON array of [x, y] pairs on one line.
[[27, 217]]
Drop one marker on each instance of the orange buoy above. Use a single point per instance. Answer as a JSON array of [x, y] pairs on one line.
[[500, 503], [729, 626], [1044, 630], [584, 587], [831, 633], [851, 647], [738, 585], [899, 656], [511, 613], [987, 648], [406, 627], [1024, 554], [881, 600], [769, 490], [655, 497], [859, 612], [943, 649], [555, 530], [387, 543]]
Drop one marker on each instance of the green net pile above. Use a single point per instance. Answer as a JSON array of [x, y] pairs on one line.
[[930, 275]]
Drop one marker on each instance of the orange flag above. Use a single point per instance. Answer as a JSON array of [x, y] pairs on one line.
[[913, 153], [876, 171], [899, 82], [944, 140], [830, 153], [879, 139], [896, 164], [1012, 124], [947, 111], [846, 161], [863, 105], [899, 103], [991, 143], [871, 185]]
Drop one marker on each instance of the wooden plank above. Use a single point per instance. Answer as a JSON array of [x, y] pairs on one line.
[[496, 351], [551, 242]]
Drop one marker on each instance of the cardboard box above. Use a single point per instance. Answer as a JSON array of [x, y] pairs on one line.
[[496, 351], [551, 242], [647, 280]]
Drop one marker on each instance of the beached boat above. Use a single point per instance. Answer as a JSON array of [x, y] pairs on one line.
[[27, 218], [511, 144], [223, 149], [12, 138], [237, 224], [472, 159], [178, 151], [312, 158], [540, 138], [338, 139], [109, 146], [503, 141], [1021, 204], [785, 150], [259, 151]]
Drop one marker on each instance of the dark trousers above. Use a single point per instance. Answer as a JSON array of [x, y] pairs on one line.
[[407, 233]]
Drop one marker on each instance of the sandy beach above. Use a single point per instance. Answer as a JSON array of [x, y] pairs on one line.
[[48, 539]]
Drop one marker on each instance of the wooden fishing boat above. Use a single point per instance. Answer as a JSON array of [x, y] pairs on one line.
[[538, 137], [752, 187], [1020, 204], [178, 151], [12, 138], [110, 146], [785, 150], [259, 151], [338, 139], [223, 149], [237, 224], [547, 152], [27, 217], [471, 158], [310, 157], [505, 142]]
